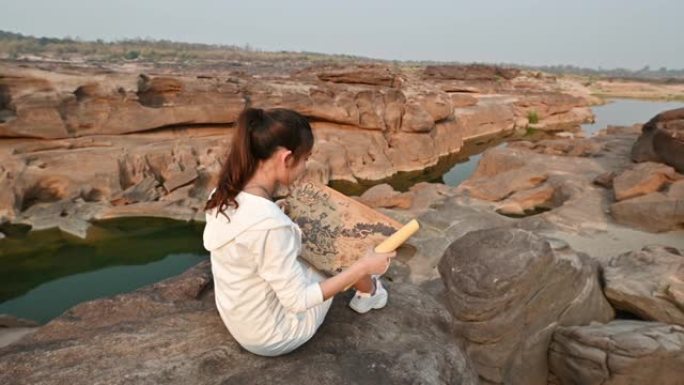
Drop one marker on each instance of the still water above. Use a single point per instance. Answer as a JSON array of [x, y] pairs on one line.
[[46, 272], [617, 112], [625, 112]]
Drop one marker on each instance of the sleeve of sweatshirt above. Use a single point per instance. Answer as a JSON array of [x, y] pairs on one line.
[[278, 265]]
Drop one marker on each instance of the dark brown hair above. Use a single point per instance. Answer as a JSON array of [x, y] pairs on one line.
[[259, 133]]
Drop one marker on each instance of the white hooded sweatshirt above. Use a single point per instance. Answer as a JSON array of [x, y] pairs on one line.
[[268, 299]]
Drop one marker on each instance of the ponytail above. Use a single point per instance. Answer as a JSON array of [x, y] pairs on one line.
[[259, 133]]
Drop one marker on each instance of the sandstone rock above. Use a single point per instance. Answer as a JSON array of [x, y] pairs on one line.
[[470, 72], [182, 210], [676, 190], [13, 329], [573, 147], [526, 201], [437, 104], [442, 221], [669, 144], [570, 120], [8, 321], [508, 289], [642, 179], [605, 180], [647, 283], [383, 195], [662, 140], [361, 74], [52, 110], [367, 128], [621, 130], [497, 161], [504, 185], [654, 212], [577, 205], [179, 178], [637, 89], [459, 100], [171, 333], [485, 118], [146, 190], [12, 334], [426, 194], [619, 352], [546, 104], [416, 119], [69, 216]]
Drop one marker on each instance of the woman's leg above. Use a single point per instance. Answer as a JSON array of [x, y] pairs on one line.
[[365, 284]]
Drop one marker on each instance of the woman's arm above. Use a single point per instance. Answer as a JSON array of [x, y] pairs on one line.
[[370, 263], [276, 263], [341, 281]]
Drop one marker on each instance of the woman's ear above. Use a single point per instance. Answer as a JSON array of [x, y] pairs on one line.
[[288, 157]]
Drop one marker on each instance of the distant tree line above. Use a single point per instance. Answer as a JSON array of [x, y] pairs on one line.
[[662, 73], [15, 45]]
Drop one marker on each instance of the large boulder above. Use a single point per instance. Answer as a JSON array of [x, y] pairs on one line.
[[648, 283], [662, 140], [507, 290], [642, 179], [171, 333], [655, 212], [621, 352], [442, 222]]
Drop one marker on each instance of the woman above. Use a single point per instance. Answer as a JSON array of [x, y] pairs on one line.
[[269, 300]]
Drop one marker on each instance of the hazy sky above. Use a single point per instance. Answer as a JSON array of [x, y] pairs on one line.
[[589, 33]]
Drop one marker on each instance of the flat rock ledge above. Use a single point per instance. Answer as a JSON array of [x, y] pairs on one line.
[[171, 333], [618, 353]]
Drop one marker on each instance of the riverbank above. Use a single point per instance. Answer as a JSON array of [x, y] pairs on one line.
[[469, 238], [152, 144], [635, 89]]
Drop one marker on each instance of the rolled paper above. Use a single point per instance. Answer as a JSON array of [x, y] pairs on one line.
[[398, 238], [395, 240]]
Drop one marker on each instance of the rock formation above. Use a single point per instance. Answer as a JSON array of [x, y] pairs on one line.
[[617, 353], [662, 140], [507, 290], [648, 283], [151, 143], [170, 332]]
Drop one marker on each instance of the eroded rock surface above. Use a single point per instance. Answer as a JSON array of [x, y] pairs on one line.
[[662, 140], [152, 143], [648, 283], [171, 333], [619, 352], [507, 290]]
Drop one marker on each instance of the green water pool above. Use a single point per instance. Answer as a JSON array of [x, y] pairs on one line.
[[43, 273]]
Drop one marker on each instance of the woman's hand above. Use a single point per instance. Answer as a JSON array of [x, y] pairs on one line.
[[376, 263], [370, 263]]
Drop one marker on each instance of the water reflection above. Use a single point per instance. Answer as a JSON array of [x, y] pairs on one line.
[[625, 112], [45, 272]]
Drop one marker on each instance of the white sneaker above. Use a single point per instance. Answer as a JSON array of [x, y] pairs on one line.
[[363, 302]]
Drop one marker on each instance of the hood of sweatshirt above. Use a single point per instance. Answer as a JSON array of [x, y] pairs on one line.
[[254, 212]]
